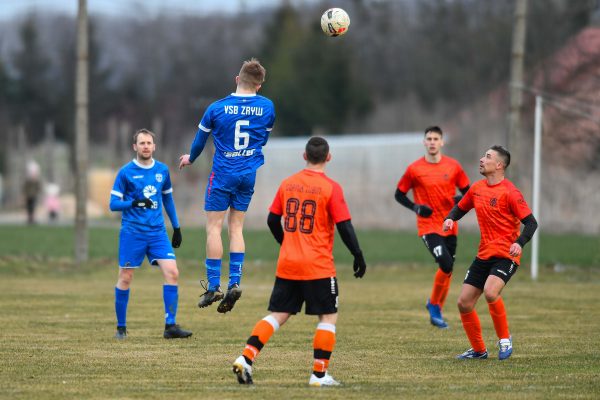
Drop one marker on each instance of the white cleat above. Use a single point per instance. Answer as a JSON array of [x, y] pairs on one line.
[[327, 380], [243, 371]]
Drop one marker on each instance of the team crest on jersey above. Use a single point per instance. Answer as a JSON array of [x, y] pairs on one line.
[[158, 177], [493, 202], [149, 191]]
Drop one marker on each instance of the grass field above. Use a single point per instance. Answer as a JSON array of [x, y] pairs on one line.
[[58, 325]]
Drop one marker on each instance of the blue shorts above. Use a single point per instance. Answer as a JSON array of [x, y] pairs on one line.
[[133, 246], [224, 191]]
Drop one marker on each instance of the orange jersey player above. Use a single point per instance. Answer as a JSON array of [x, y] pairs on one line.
[[310, 205], [500, 209], [433, 180]]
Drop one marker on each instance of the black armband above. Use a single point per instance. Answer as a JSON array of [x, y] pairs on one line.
[[346, 231], [402, 199], [530, 226], [274, 223], [456, 213], [464, 190]]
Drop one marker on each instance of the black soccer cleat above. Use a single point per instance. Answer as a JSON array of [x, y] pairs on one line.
[[232, 295], [210, 296], [175, 332], [121, 332]]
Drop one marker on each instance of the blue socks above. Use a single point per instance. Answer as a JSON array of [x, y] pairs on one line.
[[213, 273], [121, 300], [236, 260], [171, 299]]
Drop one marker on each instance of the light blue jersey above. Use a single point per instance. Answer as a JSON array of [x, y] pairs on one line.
[[240, 125], [137, 181]]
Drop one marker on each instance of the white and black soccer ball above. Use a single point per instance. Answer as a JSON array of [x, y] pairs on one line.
[[335, 22]]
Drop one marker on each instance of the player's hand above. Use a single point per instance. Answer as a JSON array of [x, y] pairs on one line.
[[457, 198], [184, 160], [515, 249], [422, 210], [176, 239], [360, 267], [447, 225], [142, 203]]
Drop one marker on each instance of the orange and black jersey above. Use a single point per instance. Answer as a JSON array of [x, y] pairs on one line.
[[311, 204], [500, 209], [434, 185]]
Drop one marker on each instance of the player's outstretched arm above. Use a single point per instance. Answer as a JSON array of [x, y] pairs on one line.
[[419, 209], [274, 223], [346, 231]]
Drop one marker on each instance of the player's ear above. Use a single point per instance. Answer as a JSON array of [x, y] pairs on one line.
[[304, 156], [328, 157], [237, 80]]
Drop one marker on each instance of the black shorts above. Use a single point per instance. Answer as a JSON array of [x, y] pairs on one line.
[[479, 271], [438, 244], [320, 295], [442, 248]]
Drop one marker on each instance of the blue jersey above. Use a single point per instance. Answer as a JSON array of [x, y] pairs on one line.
[[136, 181], [240, 125]]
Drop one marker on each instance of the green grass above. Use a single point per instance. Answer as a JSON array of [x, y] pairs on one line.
[[380, 247], [58, 324]]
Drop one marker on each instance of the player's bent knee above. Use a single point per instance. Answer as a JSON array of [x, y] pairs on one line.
[[491, 295], [464, 305]]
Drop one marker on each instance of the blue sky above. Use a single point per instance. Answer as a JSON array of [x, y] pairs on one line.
[[11, 8]]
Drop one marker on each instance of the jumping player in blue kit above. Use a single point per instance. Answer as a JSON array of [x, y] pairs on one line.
[[240, 125], [141, 189]]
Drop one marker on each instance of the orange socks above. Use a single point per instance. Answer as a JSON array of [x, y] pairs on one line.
[[498, 313], [472, 326], [323, 345], [262, 332], [441, 285]]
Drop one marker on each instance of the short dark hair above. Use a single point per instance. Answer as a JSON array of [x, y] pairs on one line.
[[435, 129], [317, 150], [503, 153], [145, 132]]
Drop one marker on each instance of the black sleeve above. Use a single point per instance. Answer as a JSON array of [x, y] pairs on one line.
[[464, 190], [402, 199], [455, 214], [274, 223], [348, 236], [528, 230]]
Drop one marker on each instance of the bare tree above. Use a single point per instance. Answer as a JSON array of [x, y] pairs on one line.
[[81, 137], [516, 84]]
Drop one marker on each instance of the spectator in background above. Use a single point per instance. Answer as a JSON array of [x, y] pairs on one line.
[[52, 202], [31, 189]]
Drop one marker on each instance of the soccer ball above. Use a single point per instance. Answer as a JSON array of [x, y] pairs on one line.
[[335, 22]]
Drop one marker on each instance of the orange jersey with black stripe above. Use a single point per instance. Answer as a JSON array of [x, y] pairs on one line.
[[311, 204], [434, 185], [500, 209]]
